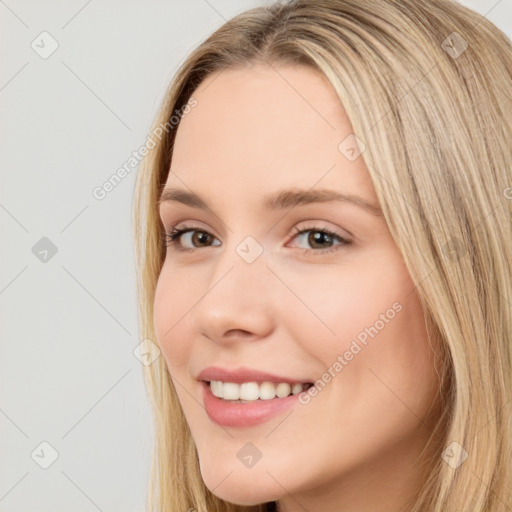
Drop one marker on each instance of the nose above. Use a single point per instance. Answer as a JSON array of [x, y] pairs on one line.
[[237, 300]]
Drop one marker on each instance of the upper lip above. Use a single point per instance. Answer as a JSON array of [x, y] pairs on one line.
[[242, 374]]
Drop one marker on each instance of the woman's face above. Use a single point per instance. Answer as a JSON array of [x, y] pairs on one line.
[[244, 290]]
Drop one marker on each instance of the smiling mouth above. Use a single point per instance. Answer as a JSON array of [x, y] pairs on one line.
[[248, 392]]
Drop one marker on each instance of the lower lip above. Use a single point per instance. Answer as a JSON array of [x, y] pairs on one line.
[[229, 414]]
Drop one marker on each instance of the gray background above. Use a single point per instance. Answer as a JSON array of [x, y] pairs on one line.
[[69, 376]]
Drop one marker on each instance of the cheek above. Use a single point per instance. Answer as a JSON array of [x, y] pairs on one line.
[[398, 345], [359, 299], [368, 313], [171, 305], [384, 341]]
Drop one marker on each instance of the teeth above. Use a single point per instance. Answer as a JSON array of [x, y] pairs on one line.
[[248, 391], [251, 391], [298, 387], [283, 390], [230, 391]]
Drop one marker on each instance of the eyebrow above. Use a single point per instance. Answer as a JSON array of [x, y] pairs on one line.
[[277, 201]]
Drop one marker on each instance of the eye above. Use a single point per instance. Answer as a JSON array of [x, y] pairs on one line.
[[174, 238], [318, 237], [321, 236]]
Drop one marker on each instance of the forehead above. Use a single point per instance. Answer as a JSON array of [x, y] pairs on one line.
[[266, 127]]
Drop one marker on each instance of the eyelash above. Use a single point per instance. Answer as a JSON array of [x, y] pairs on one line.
[[173, 239]]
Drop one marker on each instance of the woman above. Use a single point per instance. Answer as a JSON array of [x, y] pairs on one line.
[[372, 371]]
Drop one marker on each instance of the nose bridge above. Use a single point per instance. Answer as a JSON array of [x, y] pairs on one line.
[[243, 258], [243, 267], [238, 295]]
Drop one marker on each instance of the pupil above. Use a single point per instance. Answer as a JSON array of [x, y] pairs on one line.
[[200, 236], [316, 237]]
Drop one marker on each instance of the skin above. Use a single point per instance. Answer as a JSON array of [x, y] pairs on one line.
[[255, 131]]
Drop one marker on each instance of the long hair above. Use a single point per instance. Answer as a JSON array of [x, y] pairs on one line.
[[427, 86]]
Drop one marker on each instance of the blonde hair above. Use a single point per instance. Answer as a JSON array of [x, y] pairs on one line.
[[435, 118]]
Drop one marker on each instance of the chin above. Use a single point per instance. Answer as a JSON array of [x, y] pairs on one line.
[[245, 487]]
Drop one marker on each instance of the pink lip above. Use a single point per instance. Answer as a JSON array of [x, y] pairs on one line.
[[242, 374], [229, 414]]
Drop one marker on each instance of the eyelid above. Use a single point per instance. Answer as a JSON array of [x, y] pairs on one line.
[[317, 226], [180, 229], [311, 225], [181, 224]]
